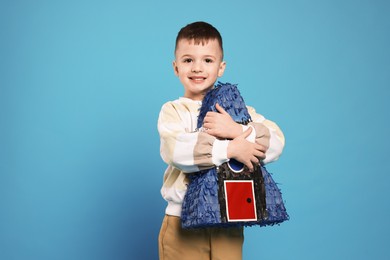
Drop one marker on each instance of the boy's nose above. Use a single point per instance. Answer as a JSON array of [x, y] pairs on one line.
[[196, 67]]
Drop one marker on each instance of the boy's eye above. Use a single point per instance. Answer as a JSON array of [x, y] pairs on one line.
[[208, 60], [188, 60]]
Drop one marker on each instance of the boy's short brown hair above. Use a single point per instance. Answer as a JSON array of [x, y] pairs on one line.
[[200, 33]]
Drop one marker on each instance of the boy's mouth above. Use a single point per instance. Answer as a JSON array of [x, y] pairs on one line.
[[197, 79]]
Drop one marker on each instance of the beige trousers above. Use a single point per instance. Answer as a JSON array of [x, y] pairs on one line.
[[176, 243]]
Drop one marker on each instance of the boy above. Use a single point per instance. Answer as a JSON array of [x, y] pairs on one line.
[[198, 64]]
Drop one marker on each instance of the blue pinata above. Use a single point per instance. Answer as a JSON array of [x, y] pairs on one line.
[[230, 195]]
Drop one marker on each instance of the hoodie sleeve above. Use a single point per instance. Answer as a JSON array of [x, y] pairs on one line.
[[267, 133], [182, 146]]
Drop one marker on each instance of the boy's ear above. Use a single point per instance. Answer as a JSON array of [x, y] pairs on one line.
[[175, 69], [222, 67]]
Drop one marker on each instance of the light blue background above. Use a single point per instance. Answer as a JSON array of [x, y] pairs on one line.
[[81, 85]]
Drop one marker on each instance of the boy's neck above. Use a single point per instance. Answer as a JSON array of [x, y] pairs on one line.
[[194, 100]]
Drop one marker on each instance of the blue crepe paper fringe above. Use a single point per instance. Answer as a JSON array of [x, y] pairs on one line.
[[227, 96]]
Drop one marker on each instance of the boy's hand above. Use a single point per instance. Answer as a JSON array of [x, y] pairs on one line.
[[221, 125], [244, 151]]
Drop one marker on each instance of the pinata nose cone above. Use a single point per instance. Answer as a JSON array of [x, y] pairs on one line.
[[229, 98]]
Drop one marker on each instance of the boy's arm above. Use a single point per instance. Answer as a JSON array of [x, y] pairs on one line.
[[266, 133], [246, 152], [186, 150]]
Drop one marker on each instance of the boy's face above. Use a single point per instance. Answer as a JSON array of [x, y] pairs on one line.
[[198, 66]]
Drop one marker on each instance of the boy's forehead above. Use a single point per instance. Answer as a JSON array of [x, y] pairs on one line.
[[190, 46]]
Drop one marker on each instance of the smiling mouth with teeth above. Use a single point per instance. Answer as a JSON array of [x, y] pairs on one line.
[[197, 79]]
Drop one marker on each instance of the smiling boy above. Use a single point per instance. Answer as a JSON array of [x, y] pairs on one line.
[[198, 64]]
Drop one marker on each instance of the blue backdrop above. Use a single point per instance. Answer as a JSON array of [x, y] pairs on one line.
[[81, 85]]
